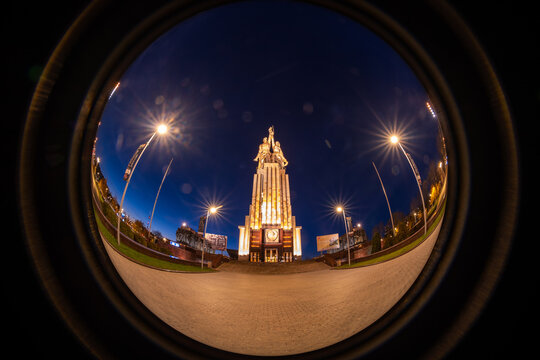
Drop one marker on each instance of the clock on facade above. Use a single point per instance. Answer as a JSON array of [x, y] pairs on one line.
[[272, 235]]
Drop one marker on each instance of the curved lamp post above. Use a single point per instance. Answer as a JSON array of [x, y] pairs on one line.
[[387, 202], [211, 210], [155, 201], [340, 209], [395, 140], [161, 129]]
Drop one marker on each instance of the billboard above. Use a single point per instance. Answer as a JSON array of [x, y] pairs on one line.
[[133, 161], [216, 242], [202, 224], [326, 242]]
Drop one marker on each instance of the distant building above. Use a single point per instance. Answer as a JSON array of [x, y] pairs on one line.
[[357, 238], [187, 236]]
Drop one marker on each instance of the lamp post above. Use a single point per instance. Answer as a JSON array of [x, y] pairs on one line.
[[395, 140], [211, 210], [340, 209], [387, 202], [161, 129], [155, 201]]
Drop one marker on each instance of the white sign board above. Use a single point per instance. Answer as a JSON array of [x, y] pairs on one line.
[[326, 242]]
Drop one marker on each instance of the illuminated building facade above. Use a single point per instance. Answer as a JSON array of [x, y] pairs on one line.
[[270, 233]]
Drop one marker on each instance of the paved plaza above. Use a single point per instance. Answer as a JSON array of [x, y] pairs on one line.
[[249, 312]]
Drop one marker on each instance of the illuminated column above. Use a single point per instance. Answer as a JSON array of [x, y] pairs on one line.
[[284, 201], [274, 193], [251, 207], [293, 224], [268, 196], [278, 195], [269, 219], [241, 241], [258, 202], [264, 196], [244, 237], [282, 208], [289, 211], [247, 236], [297, 248]]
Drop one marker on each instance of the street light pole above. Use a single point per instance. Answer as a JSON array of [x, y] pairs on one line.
[[340, 209], [387, 202], [204, 237], [213, 211], [416, 176], [155, 201], [127, 184], [161, 129]]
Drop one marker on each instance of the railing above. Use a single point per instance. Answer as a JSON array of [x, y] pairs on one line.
[[143, 249], [342, 254]]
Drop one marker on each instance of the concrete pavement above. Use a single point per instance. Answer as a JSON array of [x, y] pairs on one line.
[[251, 313]]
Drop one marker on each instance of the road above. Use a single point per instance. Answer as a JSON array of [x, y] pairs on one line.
[[249, 313]]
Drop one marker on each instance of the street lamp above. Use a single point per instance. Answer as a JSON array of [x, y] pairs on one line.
[[395, 140], [155, 201], [161, 129], [384, 191], [211, 210], [340, 209]]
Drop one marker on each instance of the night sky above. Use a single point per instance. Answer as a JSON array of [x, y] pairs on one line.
[[332, 89]]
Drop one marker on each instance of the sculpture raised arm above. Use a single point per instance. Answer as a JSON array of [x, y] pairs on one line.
[[271, 136]]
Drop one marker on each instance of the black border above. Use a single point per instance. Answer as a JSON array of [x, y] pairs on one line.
[[465, 72]]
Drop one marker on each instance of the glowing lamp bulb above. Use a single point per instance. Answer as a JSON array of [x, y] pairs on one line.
[[339, 209], [394, 139], [162, 129]]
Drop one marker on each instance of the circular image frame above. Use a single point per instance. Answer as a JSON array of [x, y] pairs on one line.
[[57, 145]]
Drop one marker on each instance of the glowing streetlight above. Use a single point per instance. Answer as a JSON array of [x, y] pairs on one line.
[[161, 129], [395, 140], [340, 209], [211, 210]]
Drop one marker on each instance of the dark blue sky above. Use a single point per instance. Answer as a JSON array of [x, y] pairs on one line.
[[330, 87]]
